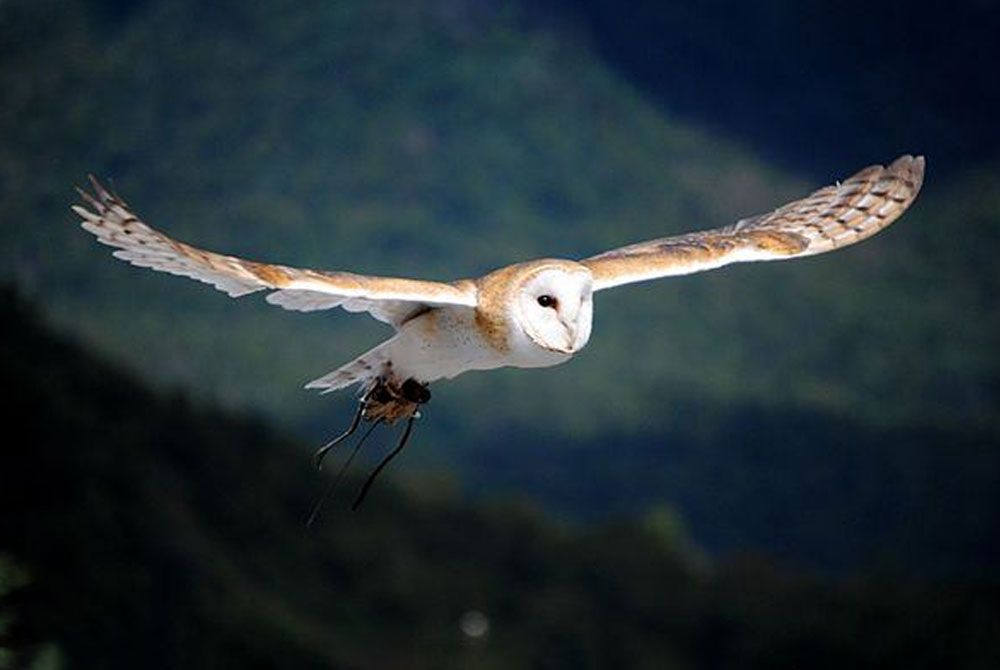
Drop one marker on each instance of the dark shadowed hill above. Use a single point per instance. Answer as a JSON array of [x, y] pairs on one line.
[[157, 534]]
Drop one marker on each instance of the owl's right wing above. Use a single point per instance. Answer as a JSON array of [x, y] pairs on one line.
[[388, 299], [831, 218]]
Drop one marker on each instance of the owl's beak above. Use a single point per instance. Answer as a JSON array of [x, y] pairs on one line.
[[571, 329]]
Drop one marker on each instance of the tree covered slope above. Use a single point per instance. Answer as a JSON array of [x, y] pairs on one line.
[[150, 532]]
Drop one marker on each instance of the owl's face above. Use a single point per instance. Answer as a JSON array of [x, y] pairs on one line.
[[555, 309]]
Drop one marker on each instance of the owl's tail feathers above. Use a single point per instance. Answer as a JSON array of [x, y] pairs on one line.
[[369, 365]]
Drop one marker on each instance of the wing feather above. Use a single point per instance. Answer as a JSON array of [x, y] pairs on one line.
[[830, 218], [388, 299]]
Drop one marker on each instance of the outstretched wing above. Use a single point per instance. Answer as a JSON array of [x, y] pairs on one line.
[[387, 299], [832, 217]]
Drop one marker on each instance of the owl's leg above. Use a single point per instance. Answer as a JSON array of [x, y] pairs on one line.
[[385, 461]]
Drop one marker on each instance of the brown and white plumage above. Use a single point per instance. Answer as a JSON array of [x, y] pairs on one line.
[[532, 314], [832, 217], [387, 299]]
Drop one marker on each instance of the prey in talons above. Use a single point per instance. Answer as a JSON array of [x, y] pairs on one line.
[[383, 401]]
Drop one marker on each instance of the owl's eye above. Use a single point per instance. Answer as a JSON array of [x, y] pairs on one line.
[[547, 301]]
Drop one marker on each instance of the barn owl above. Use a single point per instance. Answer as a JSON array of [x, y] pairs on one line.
[[532, 314]]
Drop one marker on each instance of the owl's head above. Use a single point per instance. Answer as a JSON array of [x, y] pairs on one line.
[[554, 307]]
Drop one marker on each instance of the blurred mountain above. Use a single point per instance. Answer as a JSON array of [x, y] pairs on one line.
[[140, 530], [444, 138]]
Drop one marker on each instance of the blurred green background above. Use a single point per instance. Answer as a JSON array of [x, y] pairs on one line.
[[772, 465]]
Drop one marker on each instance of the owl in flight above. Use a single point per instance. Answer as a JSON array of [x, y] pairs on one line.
[[532, 314]]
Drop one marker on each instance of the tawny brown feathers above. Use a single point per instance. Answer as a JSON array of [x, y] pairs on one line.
[[388, 299], [832, 217]]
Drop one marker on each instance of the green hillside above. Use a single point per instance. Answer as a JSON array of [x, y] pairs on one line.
[[141, 530], [439, 143]]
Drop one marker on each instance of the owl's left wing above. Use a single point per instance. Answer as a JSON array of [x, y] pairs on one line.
[[832, 217], [389, 299]]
